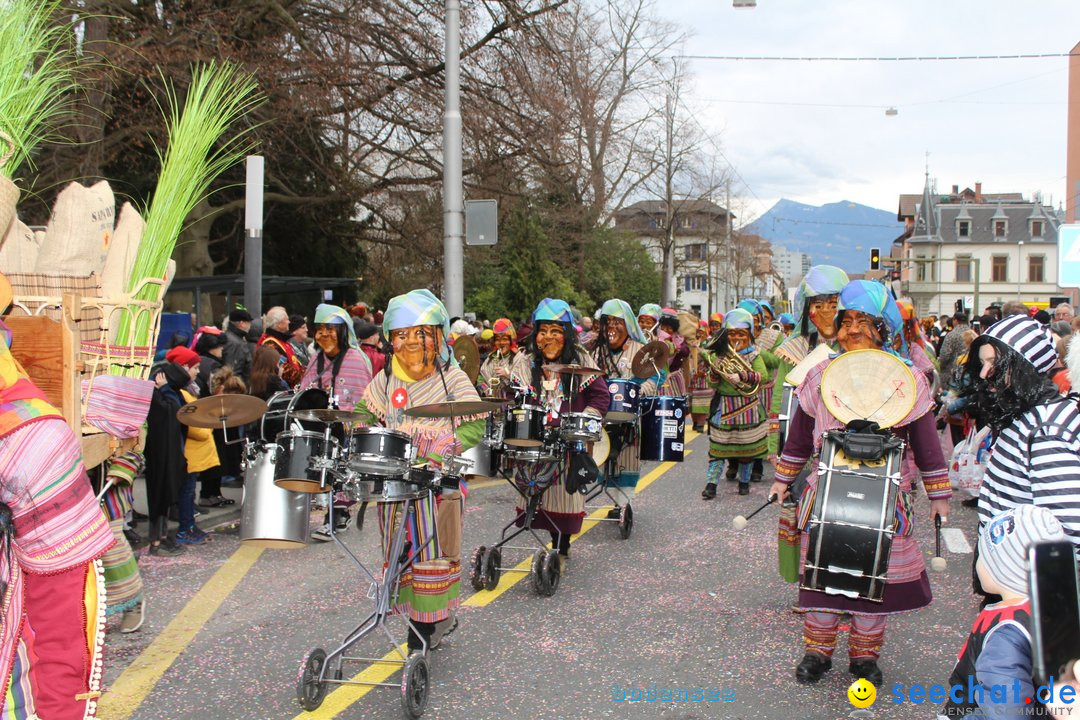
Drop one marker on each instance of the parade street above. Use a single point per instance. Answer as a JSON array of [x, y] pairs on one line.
[[686, 603]]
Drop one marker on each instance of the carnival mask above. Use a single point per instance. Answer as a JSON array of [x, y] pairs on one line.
[[714, 327], [502, 343], [327, 339], [616, 332], [647, 323], [551, 340], [738, 339], [858, 331], [823, 315], [414, 349]]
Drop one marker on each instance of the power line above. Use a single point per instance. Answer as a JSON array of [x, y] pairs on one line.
[[872, 58], [829, 222]]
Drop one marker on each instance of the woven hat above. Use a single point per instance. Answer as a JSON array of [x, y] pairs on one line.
[[1005, 539], [868, 385]]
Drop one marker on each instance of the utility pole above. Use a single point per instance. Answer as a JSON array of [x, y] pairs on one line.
[[453, 193], [730, 250]]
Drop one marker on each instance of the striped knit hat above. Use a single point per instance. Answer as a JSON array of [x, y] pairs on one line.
[[1005, 539], [1026, 337]]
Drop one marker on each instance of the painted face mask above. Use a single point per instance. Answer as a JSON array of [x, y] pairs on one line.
[[502, 343], [327, 339], [647, 323], [858, 332], [739, 339], [551, 340], [414, 349], [823, 315], [616, 332]]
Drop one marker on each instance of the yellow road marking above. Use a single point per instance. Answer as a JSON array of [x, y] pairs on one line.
[[344, 696], [139, 678]]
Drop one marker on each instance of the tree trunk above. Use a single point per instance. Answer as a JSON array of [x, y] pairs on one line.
[[192, 256]]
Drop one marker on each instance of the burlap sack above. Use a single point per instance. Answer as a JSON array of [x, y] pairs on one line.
[[9, 194], [79, 232], [123, 250], [19, 249]]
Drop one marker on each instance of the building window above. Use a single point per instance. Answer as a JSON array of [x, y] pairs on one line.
[[1036, 268], [661, 222], [1000, 227], [920, 268], [963, 268], [685, 222], [695, 251], [695, 282], [963, 228], [999, 268], [1036, 228]]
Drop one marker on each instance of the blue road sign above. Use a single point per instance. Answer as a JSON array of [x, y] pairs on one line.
[[1069, 255]]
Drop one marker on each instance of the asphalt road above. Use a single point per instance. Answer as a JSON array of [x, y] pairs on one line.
[[686, 602]]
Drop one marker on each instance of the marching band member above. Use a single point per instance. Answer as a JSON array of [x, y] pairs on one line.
[[422, 371], [867, 317], [700, 392], [815, 323], [648, 319], [737, 422], [787, 323], [766, 339], [716, 323], [913, 342], [554, 341], [342, 370], [495, 371], [678, 350]]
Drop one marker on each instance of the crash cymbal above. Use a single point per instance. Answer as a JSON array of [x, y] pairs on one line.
[[650, 359], [455, 409], [580, 370], [211, 412], [468, 356], [326, 416]]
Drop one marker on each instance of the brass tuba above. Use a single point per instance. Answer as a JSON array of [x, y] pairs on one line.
[[731, 363]]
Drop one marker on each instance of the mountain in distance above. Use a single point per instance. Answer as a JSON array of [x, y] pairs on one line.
[[839, 233]]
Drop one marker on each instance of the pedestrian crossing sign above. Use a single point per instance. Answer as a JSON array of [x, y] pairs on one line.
[[1069, 255]]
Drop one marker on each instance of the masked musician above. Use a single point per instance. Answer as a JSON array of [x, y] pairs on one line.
[[422, 371], [766, 339], [787, 323], [648, 318], [912, 344], [554, 341], [343, 372], [716, 323], [620, 339], [494, 378], [815, 323], [700, 392], [678, 350], [867, 318], [737, 422]]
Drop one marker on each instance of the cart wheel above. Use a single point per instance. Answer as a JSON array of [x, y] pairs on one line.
[[414, 686], [492, 562], [551, 568], [476, 572], [309, 690], [538, 573], [626, 521]]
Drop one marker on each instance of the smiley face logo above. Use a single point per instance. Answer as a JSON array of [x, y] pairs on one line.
[[862, 693]]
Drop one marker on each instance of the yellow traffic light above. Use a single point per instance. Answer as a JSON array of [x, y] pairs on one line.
[[875, 259]]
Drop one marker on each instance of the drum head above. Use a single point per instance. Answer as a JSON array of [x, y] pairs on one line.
[[868, 385]]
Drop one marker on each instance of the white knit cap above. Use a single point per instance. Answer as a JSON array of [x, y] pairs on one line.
[[1004, 542]]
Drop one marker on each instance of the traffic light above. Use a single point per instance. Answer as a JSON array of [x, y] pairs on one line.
[[959, 305], [875, 259]]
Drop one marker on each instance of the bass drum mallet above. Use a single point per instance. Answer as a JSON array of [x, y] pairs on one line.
[[937, 563], [739, 522]]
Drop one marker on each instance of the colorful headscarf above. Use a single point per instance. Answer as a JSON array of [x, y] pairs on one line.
[[419, 307], [819, 280], [332, 314], [767, 306], [21, 401], [739, 318], [505, 326], [651, 309], [717, 317], [621, 309], [754, 308], [786, 319], [873, 299], [553, 310]]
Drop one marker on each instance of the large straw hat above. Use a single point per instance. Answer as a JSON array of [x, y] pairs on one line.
[[868, 385]]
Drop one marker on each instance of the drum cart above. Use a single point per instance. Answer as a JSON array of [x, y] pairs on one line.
[[620, 435]]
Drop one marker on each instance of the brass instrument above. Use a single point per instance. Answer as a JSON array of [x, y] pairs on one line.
[[732, 363]]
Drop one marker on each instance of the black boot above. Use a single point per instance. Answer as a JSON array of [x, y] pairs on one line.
[[732, 472], [867, 669], [744, 489], [425, 630], [756, 471], [812, 667], [709, 492]]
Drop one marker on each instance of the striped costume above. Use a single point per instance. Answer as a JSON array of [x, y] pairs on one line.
[[123, 582], [737, 427]]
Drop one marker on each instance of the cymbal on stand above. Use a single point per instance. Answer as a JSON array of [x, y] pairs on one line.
[[650, 359], [230, 410], [580, 370]]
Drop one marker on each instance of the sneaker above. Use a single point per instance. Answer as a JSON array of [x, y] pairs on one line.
[[196, 531], [133, 619], [322, 533], [342, 521], [165, 547], [186, 537]]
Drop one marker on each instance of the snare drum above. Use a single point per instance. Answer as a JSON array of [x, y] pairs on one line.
[[300, 460], [280, 409], [524, 426], [663, 425], [851, 527], [625, 401], [580, 427], [535, 454], [271, 517], [379, 452]]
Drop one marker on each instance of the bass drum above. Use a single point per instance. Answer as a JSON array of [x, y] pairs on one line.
[[663, 426], [271, 517], [282, 405]]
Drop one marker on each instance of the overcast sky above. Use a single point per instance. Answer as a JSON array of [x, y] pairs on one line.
[[999, 122]]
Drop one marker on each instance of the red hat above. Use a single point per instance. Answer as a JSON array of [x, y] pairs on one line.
[[183, 356]]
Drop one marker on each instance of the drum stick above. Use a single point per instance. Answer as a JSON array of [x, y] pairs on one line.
[[105, 488], [740, 522], [937, 563]]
